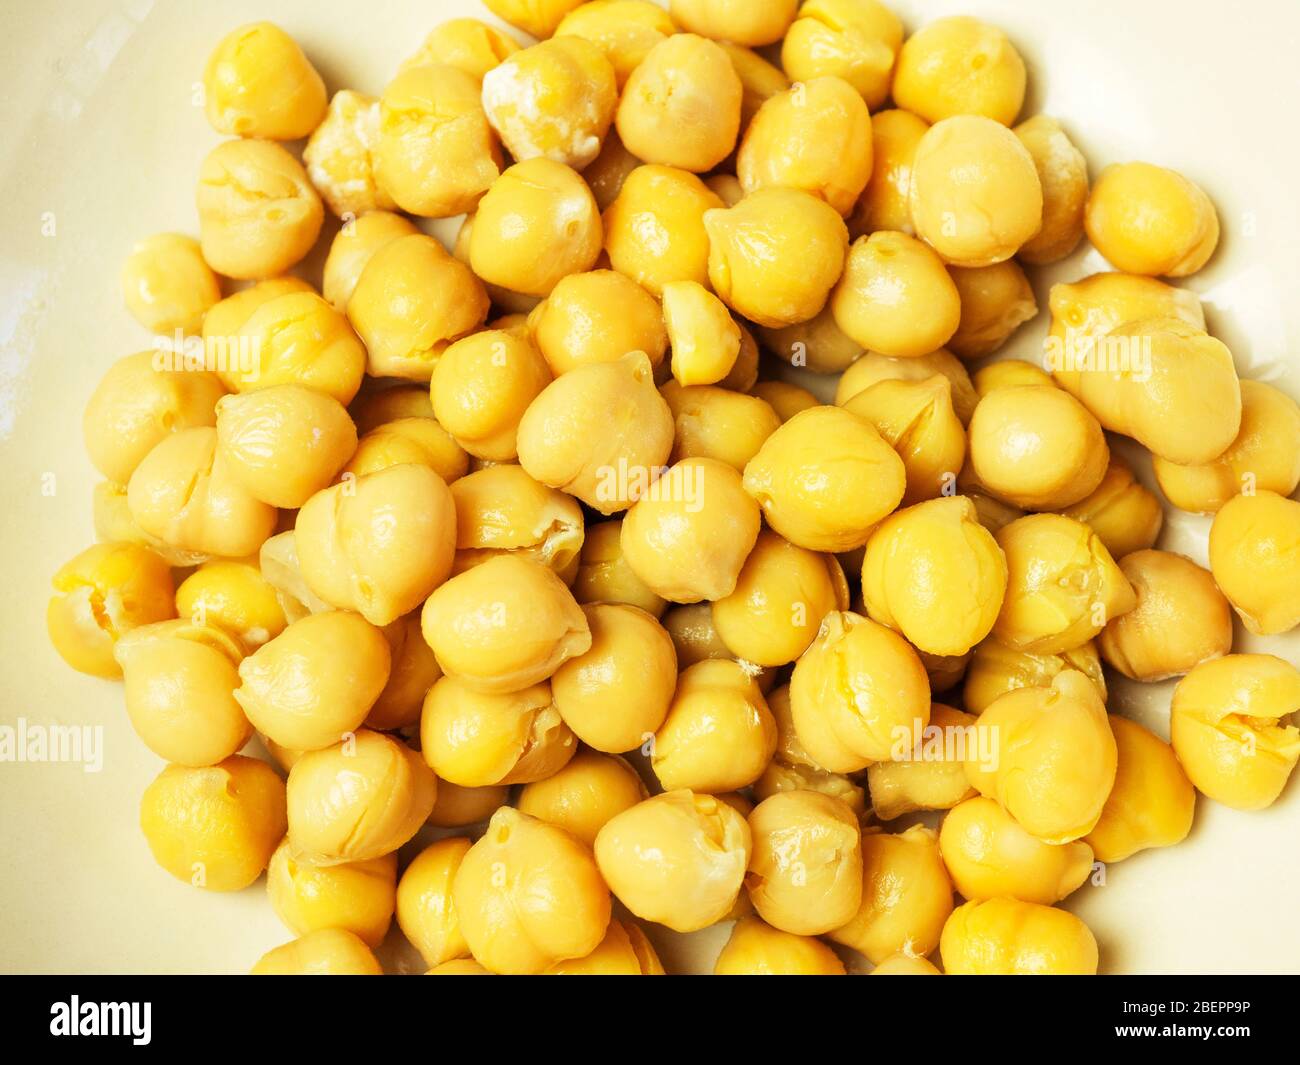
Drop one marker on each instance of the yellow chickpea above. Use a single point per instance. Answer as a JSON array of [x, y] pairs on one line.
[[654, 228], [884, 204], [776, 255], [975, 193], [1226, 726], [378, 405], [1063, 175], [906, 896], [537, 224], [873, 367], [1053, 760], [705, 339], [1149, 220], [932, 778], [457, 807], [379, 544], [688, 536], [359, 799], [995, 301], [1009, 373], [917, 419], [324, 952], [1063, 586], [717, 423], [816, 137], [858, 694], [625, 30], [960, 66], [625, 951], [936, 575], [818, 344], [352, 249], [412, 673], [1121, 511], [504, 625], [677, 859], [426, 910], [258, 213], [419, 439], [102, 595], [278, 561], [459, 967], [529, 895], [234, 360], [680, 107], [895, 297], [258, 83], [996, 669], [1008, 937], [167, 286], [299, 339], [214, 827], [597, 317], [357, 897], [1253, 544], [1265, 455], [580, 798], [857, 40], [604, 575], [339, 157], [904, 964], [779, 778], [735, 20], [234, 596], [785, 399], [435, 153], [607, 173], [501, 510], [540, 18], [465, 43]]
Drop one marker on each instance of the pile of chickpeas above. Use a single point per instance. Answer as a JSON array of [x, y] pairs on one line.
[[533, 542]]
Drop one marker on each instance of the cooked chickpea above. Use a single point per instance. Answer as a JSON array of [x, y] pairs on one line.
[[339, 157], [906, 896], [1149, 220], [360, 799], [278, 561], [1253, 545], [435, 153], [873, 367], [529, 895], [167, 286], [258, 83], [459, 967], [357, 897], [581, 797], [856, 40], [465, 43], [816, 137], [604, 575], [102, 595], [419, 440], [1226, 725], [776, 255], [1124, 515], [1008, 937], [504, 625], [929, 779], [258, 212], [1047, 755], [352, 249], [597, 317], [681, 105], [625, 951], [1063, 586], [995, 301], [735, 20], [299, 339], [540, 18], [236, 362], [759, 82], [625, 30], [607, 173], [960, 66], [426, 911], [885, 204], [457, 807], [996, 669], [717, 423], [215, 826], [904, 964], [412, 673], [379, 544], [856, 693], [677, 859], [688, 535], [785, 399], [501, 510], [379, 405], [324, 952], [705, 339], [1063, 175], [537, 224], [895, 297], [818, 344], [1009, 373]]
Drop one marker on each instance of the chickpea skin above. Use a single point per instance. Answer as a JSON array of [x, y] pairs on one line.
[[1008, 937], [597, 317], [352, 249], [419, 440], [929, 779], [705, 339], [996, 669], [465, 43], [457, 807], [857, 40], [413, 672], [581, 797], [960, 66], [735, 20], [625, 951], [873, 367], [539, 18], [717, 423], [757, 949], [340, 159], [1253, 545], [167, 286], [357, 897], [501, 510]]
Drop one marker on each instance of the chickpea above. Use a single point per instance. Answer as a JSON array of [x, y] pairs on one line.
[[604, 575], [459, 967], [419, 440], [996, 669], [540, 18], [735, 20], [874, 367], [504, 625], [529, 895], [1149, 220], [554, 100], [785, 399], [258, 83], [654, 228], [1047, 755], [258, 213], [378, 545], [617, 694], [580, 798], [856, 40], [285, 443], [465, 43], [377, 406], [536, 225], [1063, 586], [776, 255], [930, 780], [597, 317], [1253, 542], [352, 249], [625, 30], [1265, 455], [975, 193], [426, 911], [995, 301], [607, 173], [816, 137], [688, 536], [856, 691], [677, 859], [906, 895], [360, 799], [718, 423], [1008, 937], [1063, 175], [501, 510], [457, 807], [600, 432], [1226, 725], [625, 951], [412, 673], [1009, 373], [818, 344], [960, 66], [825, 501], [215, 826], [339, 157], [100, 596], [137, 404], [167, 286], [324, 952], [435, 153], [917, 419], [895, 297], [945, 671], [904, 964], [299, 339], [1124, 515], [705, 339], [884, 204], [234, 360], [357, 897], [759, 82], [278, 561]]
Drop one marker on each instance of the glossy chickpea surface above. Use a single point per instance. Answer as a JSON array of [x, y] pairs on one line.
[[426, 911], [604, 575], [1008, 937], [417, 440], [258, 83], [625, 951], [340, 160], [1063, 175], [625, 30], [996, 669], [857, 40], [930, 776], [1253, 544], [1123, 513], [540, 18], [960, 66], [167, 286], [324, 952], [1149, 220], [357, 897], [995, 301], [501, 510], [299, 339], [873, 367], [581, 797], [354, 247], [718, 423], [757, 949], [597, 316]]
